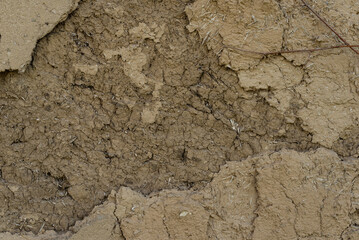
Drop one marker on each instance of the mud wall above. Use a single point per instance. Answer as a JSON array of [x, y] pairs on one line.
[[155, 103]]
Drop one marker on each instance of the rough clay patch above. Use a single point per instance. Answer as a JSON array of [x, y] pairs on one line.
[[319, 89], [131, 98], [22, 23], [282, 195]]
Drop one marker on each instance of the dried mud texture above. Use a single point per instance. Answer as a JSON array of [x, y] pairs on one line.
[[22, 23], [130, 98], [318, 88], [283, 195], [133, 99]]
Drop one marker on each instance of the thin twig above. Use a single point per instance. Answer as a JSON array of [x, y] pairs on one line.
[[347, 45], [330, 27], [291, 51]]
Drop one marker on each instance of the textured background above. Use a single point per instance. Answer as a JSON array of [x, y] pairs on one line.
[[142, 105]]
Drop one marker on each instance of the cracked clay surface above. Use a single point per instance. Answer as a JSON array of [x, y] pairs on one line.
[[321, 86], [259, 198], [23, 23], [143, 120]]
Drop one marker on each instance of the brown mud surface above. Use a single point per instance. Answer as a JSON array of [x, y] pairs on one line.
[[143, 120]]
